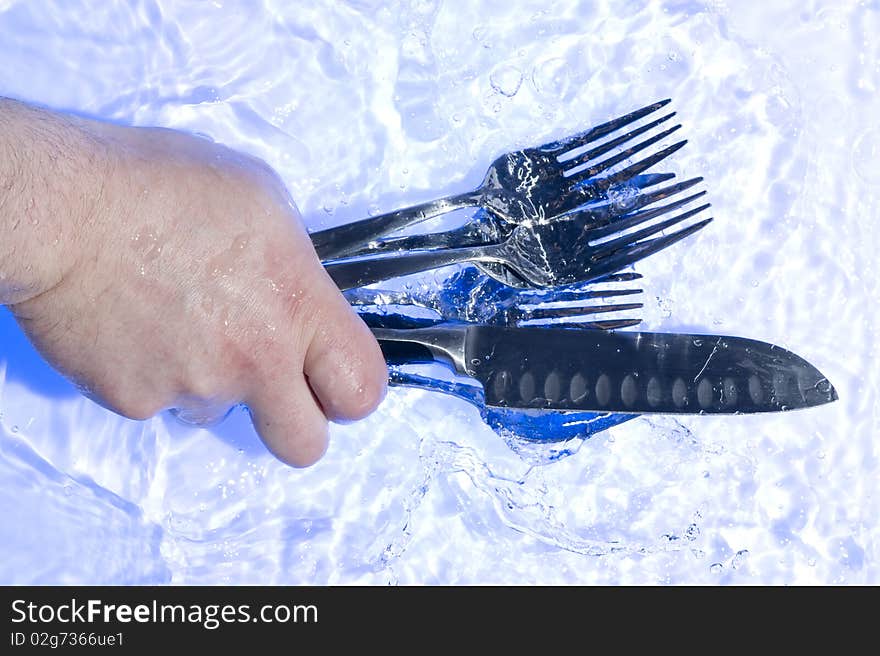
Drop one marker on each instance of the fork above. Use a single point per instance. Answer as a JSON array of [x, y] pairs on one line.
[[471, 296], [537, 426], [563, 251], [533, 184], [485, 228]]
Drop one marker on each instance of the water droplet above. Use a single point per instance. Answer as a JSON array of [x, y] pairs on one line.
[[15, 429], [623, 196], [506, 80], [716, 568]]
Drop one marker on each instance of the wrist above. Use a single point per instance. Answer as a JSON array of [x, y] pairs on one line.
[[52, 172]]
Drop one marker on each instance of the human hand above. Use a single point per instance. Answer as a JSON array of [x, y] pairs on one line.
[[191, 283]]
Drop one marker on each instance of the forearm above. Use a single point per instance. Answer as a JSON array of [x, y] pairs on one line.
[[52, 171]]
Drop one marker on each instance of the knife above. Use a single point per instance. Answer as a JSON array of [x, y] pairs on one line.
[[547, 368]]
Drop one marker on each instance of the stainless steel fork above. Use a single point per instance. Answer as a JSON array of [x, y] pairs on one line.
[[471, 296], [564, 251], [533, 184]]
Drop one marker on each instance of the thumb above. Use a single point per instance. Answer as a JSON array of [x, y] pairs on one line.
[[343, 363]]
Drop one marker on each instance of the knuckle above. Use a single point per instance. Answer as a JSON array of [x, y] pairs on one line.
[[200, 387]]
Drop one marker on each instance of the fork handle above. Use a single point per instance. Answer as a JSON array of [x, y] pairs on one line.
[[345, 239], [348, 274], [470, 234]]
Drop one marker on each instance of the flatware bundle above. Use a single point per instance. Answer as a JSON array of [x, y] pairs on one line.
[[554, 228]]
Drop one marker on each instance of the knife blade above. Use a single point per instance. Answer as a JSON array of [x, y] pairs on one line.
[[628, 372]]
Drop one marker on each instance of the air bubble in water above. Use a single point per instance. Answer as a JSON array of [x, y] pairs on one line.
[[740, 559], [551, 78], [506, 80]]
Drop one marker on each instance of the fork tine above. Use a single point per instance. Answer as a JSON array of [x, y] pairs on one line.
[[641, 250], [665, 192], [574, 297], [632, 220], [570, 162], [651, 179], [599, 293], [582, 138], [605, 164], [606, 248], [591, 190], [602, 215], [578, 291], [611, 324], [643, 181], [534, 297], [576, 311], [624, 276]]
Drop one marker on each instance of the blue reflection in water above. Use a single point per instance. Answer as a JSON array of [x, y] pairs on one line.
[[471, 296], [532, 425]]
